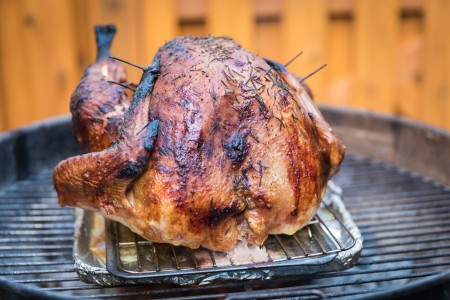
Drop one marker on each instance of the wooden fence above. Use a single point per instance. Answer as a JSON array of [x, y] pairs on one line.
[[390, 56]]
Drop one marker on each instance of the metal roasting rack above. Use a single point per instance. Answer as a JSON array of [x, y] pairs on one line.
[[317, 244]]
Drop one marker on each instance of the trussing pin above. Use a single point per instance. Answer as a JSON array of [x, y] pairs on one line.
[[292, 59], [313, 72], [127, 62], [122, 85]]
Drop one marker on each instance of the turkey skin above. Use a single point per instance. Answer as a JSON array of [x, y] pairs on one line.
[[217, 145]]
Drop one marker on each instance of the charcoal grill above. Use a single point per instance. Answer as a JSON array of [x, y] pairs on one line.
[[396, 184]]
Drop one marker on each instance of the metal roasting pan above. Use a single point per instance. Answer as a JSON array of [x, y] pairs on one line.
[[331, 242], [395, 181]]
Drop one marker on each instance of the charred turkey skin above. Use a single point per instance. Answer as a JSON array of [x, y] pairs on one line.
[[218, 145]]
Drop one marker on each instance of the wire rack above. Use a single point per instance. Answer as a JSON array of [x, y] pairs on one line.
[[131, 256]]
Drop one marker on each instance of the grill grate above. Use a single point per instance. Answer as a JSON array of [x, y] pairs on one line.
[[404, 220]]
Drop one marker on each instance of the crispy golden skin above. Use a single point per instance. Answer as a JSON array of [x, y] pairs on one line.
[[214, 148]]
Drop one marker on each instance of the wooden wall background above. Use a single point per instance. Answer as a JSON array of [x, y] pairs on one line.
[[391, 56]]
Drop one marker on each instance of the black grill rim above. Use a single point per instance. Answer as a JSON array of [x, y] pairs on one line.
[[26, 145], [407, 143], [411, 288], [29, 292]]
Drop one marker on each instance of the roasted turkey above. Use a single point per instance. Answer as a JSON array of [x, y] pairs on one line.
[[217, 145]]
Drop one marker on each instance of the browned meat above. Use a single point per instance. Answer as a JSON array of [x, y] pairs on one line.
[[97, 106], [214, 148]]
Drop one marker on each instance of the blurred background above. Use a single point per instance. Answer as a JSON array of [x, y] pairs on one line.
[[390, 56]]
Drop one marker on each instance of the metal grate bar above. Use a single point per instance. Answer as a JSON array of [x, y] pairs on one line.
[[34, 254], [403, 251], [366, 179], [404, 258], [48, 280], [353, 293], [40, 271], [36, 239], [156, 257], [342, 224], [38, 263], [211, 254], [75, 288], [376, 184], [411, 220], [380, 208], [35, 247], [42, 226], [48, 212], [350, 175], [402, 227], [305, 253], [38, 219], [30, 196], [407, 243], [316, 240], [138, 253], [27, 202], [177, 266], [388, 196], [356, 206], [390, 236], [385, 270], [58, 232], [282, 247], [330, 234], [360, 281], [193, 258], [404, 214], [30, 206]]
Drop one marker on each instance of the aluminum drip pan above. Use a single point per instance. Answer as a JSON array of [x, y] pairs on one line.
[[330, 242]]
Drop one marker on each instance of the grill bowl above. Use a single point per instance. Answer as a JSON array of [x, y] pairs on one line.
[[395, 178]]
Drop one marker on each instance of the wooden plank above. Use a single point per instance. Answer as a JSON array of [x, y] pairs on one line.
[[191, 10], [375, 48], [304, 28], [2, 97], [341, 7], [409, 60], [196, 9], [267, 9], [268, 40], [195, 28], [340, 56], [233, 18], [14, 65], [436, 104], [2, 106], [158, 24], [50, 44], [348, 7], [85, 41], [123, 14]]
